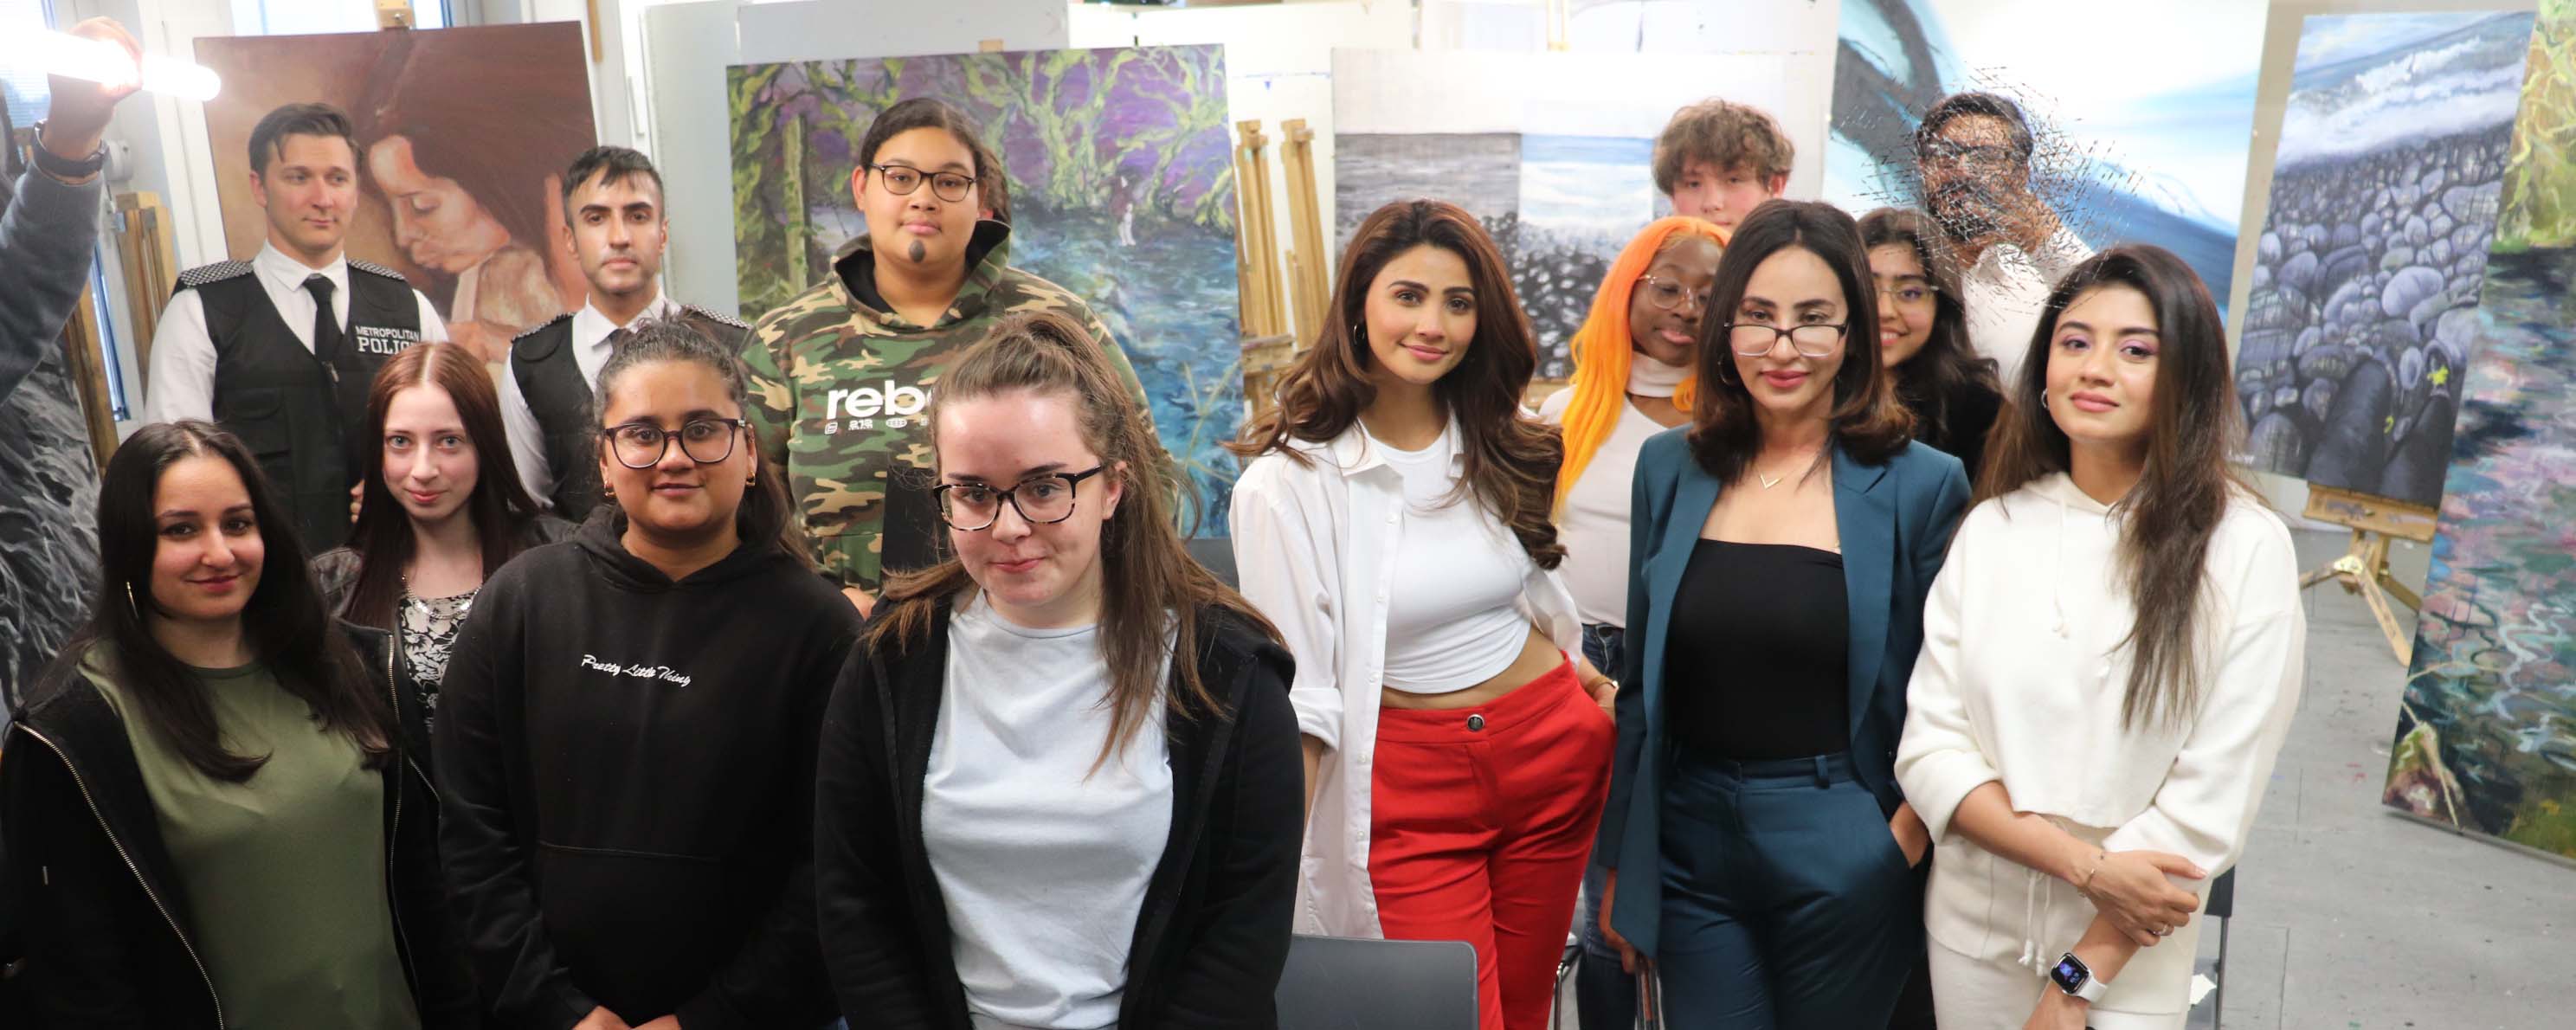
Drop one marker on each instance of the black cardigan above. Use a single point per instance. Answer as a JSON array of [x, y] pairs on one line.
[[1213, 936], [101, 906]]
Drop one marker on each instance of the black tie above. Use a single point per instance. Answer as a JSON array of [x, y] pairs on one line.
[[617, 338], [326, 323]]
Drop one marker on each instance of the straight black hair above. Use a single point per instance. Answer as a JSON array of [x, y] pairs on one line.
[[1948, 363], [934, 113], [612, 165], [653, 341], [284, 621]]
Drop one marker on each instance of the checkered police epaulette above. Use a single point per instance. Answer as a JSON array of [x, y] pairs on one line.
[[541, 327], [204, 275], [726, 320], [373, 268]]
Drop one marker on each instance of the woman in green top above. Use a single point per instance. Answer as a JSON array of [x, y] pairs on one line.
[[210, 817]]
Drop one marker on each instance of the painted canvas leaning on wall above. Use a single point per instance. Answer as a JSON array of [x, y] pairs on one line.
[[2486, 734]]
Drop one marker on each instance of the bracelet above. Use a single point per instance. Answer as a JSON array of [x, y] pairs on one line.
[[2085, 885]]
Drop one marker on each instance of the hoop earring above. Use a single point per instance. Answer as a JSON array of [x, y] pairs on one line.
[[1723, 366], [2043, 399]]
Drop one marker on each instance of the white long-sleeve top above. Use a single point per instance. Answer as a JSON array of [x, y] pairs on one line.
[[2034, 697], [1314, 549]]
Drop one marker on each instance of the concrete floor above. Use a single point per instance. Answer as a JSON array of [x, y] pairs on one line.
[[2349, 917]]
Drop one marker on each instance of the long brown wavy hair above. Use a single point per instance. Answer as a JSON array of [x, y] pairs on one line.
[[1866, 421], [1149, 585], [2168, 518], [1511, 461], [502, 511]]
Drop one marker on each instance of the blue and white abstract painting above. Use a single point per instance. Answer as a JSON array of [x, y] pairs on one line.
[[2153, 152]]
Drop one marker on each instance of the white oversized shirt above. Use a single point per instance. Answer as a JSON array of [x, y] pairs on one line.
[[1314, 550], [590, 331], [182, 381]]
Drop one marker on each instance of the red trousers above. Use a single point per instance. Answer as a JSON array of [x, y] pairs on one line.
[[1480, 820]]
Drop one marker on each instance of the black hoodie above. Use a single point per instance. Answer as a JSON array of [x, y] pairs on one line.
[[628, 771]]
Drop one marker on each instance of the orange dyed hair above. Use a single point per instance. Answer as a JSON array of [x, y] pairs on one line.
[[1603, 350]]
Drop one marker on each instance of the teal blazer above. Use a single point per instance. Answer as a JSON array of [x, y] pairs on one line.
[[1894, 521]]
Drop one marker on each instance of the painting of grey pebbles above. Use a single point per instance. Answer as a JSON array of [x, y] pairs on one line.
[[2365, 287]]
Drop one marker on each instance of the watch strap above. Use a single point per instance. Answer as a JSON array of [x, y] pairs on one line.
[[2092, 991], [57, 166]]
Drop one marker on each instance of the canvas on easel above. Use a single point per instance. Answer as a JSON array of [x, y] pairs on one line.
[[467, 206]]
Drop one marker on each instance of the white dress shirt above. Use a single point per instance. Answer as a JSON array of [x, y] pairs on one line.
[[182, 381], [2006, 291], [1315, 547], [590, 331]]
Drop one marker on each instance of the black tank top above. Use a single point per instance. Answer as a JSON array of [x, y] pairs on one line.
[[1758, 653]]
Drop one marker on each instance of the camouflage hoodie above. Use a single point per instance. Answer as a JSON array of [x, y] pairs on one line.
[[839, 387]]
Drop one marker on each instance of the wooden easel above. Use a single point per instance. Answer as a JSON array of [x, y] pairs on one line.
[[1270, 341], [1307, 259], [142, 232], [2363, 569], [1257, 245]]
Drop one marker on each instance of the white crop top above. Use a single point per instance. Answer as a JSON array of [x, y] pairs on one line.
[[1453, 614]]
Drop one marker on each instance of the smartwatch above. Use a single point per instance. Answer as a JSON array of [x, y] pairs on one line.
[[2076, 979], [63, 169]]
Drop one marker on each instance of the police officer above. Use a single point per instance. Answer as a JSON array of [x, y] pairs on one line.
[[613, 201], [280, 349]]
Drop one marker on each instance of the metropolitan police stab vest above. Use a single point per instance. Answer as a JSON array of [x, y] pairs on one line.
[[551, 382], [301, 413]]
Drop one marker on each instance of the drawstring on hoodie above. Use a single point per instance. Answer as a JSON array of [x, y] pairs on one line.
[[2057, 577], [2046, 906]]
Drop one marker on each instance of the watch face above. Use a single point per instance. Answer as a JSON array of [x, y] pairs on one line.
[[2070, 973]]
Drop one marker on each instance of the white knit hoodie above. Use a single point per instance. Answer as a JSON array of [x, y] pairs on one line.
[[2033, 698]]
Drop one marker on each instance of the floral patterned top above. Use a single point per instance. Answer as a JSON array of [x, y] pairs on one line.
[[428, 626]]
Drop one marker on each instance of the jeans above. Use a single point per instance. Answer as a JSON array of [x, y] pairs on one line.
[[1605, 996]]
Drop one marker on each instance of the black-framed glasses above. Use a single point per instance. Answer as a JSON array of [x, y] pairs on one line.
[[641, 445], [1668, 294], [901, 180], [1041, 500], [1812, 339]]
